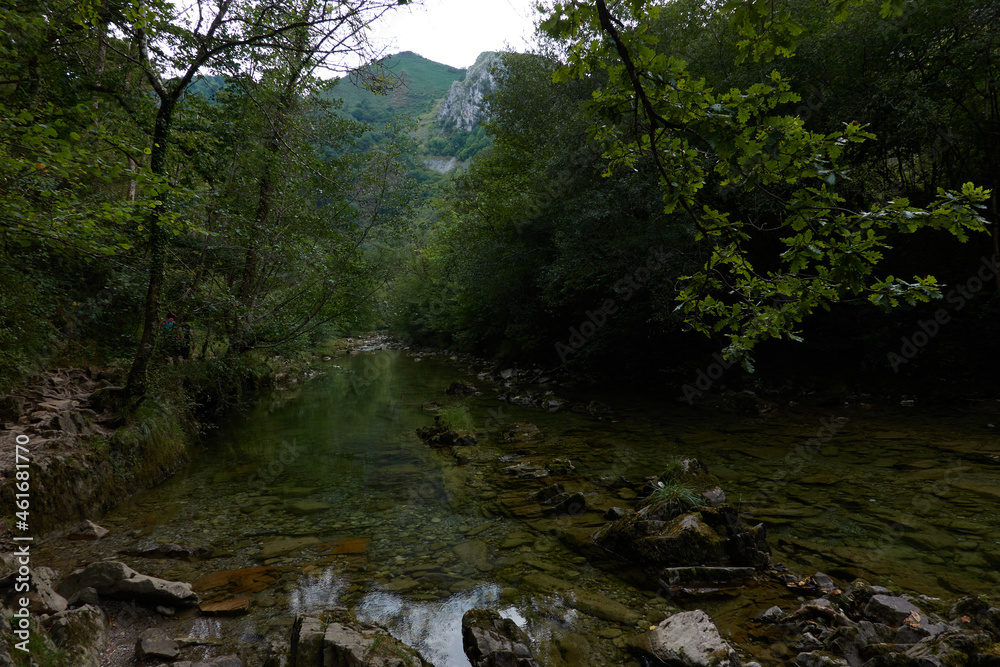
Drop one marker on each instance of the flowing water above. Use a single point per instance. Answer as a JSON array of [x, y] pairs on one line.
[[328, 493]]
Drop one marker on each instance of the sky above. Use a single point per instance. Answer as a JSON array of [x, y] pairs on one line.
[[454, 32]]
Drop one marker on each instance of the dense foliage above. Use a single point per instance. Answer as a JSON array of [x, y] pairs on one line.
[[163, 159], [789, 159]]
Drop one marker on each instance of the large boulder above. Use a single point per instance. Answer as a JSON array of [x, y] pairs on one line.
[[676, 524], [81, 635], [688, 639], [490, 640], [117, 580]]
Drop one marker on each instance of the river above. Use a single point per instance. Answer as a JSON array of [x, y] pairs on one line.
[[327, 485]]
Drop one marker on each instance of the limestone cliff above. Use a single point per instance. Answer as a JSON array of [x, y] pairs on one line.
[[463, 107]]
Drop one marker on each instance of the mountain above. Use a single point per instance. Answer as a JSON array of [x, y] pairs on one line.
[[420, 84], [445, 103], [463, 107]]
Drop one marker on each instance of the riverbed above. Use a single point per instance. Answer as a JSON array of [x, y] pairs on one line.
[[325, 488]]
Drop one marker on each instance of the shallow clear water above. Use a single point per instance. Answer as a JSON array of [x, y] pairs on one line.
[[329, 487]]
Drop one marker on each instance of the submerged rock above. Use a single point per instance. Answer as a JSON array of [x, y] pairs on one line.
[[169, 551], [441, 434], [520, 432], [492, 641], [461, 389]]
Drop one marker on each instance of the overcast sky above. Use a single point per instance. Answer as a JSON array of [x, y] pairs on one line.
[[454, 32]]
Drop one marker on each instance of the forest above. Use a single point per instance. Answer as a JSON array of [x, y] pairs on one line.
[[664, 182], [820, 180], [668, 340]]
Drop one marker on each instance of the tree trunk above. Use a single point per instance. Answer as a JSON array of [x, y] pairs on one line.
[[135, 387]]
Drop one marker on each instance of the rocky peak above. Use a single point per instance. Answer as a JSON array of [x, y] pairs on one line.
[[463, 107]]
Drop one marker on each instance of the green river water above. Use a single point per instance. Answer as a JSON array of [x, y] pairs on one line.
[[327, 485]]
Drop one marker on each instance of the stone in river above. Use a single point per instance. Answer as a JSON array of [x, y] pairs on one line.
[[691, 639], [87, 530], [352, 546], [402, 585], [155, 644], [545, 583], [491, 641], [304, 507], [246, 580], [520, 432], [233, 607], [891, 610], [297, 491], [516, 539], [474, 553], [821, 478], [602, 606], [115, 579], [283, 546]]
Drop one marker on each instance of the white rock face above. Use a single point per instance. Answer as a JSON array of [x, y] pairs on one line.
[[464, 104]]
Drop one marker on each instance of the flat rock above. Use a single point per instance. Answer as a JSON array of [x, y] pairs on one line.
[[891, 610], [304, 507], [545, 583], [474, 553], [283, 546], [169, 551], [87, 530], [352, 546], [116, 579], [233, 607], [155, 644], [402, 584], [603, 607], [707, 576], [516, 539], [245, 580], [690, 638]]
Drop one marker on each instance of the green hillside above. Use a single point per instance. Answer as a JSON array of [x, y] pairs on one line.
[[421, 83]]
